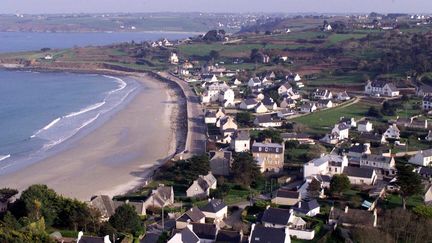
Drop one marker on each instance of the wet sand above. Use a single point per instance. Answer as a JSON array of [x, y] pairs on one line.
[[116, 157]]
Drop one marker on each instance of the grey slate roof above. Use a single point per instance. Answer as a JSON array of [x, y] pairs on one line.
[[205, 231], [91, 239], [267, 118], [267, 101], [194, 215], [274, 148], [426, 153], [287, 194], [307, 206], [276, 216], [427, 171], [228, 236], [250, 101], [214, 206], [359, 148], [263, 234], [376, 158], [188, 236], [358, 172], [242, 135]]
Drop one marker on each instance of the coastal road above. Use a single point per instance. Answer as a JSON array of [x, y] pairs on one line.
[[196, 137]]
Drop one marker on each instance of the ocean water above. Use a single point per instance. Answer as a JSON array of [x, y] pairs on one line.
[[29, 41], [41, 111]]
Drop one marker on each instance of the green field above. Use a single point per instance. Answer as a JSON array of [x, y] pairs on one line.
[[322, 121], [336, 38]]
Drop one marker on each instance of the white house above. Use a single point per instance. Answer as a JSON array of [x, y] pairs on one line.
[[212, 93], [360, 175], [193, 215], [309, 208], [260, 234], [48, 57], [308, 107], [322, 94], [326, 164], [248, 104], [342, 130], [241, 141], [392, 132], [269, 103], [382, 164], [381, 88], [427, 103], [268, 120], [365, 126], [186, 235], [343, 96], [323, 104], [284, 113], [284, 89], [254, 82], [173, 58], [200, 188], [422, 158], [215, 209], [260, 108], [288, 103], [227, 98]]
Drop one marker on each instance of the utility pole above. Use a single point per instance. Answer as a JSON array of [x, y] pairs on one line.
[[163, 221]]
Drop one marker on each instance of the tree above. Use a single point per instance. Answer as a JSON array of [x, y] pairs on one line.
[[373, 112], [339, 184], [408, 181], [40, 201], [214, 55], [314, 188], [423, 210], [244, 119], [126, 220], [245, 170]]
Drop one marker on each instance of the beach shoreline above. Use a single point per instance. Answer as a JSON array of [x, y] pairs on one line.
[[121, 154]]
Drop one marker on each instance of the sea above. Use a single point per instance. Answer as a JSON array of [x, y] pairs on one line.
[[41, 111]]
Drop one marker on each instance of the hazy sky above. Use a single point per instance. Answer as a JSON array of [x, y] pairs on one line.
[[290, 6]]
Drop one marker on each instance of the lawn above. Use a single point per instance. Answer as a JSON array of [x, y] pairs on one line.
[[393, 201], [203, 49], [336, 38], [323, 121], [356, 78]]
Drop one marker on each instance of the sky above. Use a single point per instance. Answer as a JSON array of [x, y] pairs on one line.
[[286, 6]]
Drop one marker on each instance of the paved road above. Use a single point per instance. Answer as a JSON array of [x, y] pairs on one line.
[[196, 137]]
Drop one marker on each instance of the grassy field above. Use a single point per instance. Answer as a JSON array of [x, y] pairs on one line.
[[336, 38], [322, 121], [393, 201], [356, 78]]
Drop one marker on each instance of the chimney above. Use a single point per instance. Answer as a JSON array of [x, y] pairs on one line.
[[107, 239], [80, 235], [191, 209], [346, 209], [299, 204]]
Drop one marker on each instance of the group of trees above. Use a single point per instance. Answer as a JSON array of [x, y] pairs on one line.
[[408, 52], [40, 207], [184, 172]]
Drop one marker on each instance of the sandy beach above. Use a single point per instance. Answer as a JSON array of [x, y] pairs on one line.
[[116, 157]]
